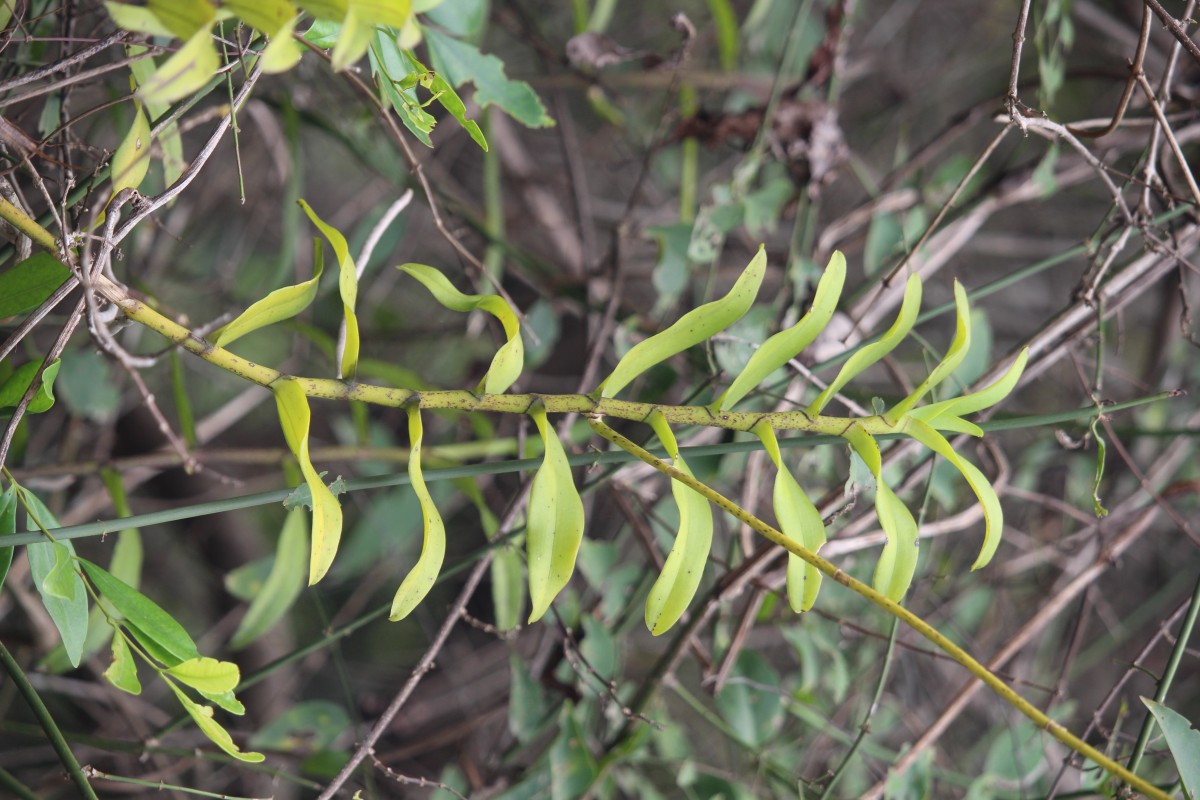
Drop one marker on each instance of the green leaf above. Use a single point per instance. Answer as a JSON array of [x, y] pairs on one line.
[[509, 360], [17, 384], [993, 514], [294, 417], [8, 525], [872, 353], [444, 93], [149, 622], [70, 616], [279, 305], [282, 585], [461, 62], [303, 728], [203, 717], [799, 520], [1183, 740], [26, 286], [684, 567], [184, 17], [277, 20], [424, 574], [898, 561], [954, 356], [785, 345], [555, 525], [207, 675], [352, 41], [183, 73], [61, 581], [131, 161], [753, 706], [139, 19], [122, 672], [347, 286], [691, 329], [947, 415], [508, 592]]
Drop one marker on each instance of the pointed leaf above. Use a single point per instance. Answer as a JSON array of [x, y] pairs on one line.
[[17, 384], [684, 567], [424, 574], [555, 524], [149, 622], [799, 520], [786, 345], [509, 360], [460, 62], [69, 616], [898, 561], [282, 585], [131, 161], [203, 717], [122, 672], [873, 352], [279, 305], [945, 415], [954, 356], [294, 416], [61, 581], [352, 40], [347, 286], [1184, 741], [207, 675], [8, 525], [691, 329], [183, 73], [993, 514], [446, 96], [25, 286]]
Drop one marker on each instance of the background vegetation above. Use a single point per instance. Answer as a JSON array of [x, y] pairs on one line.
[[635, 161]]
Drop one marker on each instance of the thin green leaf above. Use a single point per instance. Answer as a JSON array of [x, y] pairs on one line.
[[424, 574], [1101, 452], [352, 41], [461, 62], [207, 675], [785, 345], [70, 616], [684, 567], [872, 353], [509, 360], [347, 286], [799, 520], [993, 514], [555, 524], [184, 17], [508, 590], [26, 286], [224, 700], [294, 416], [122, 672], [690, 329], [17, 384], [8, 525], [954, 356], [131, 161], [1184, 742], [279, 305], [447, 97], [138, 19], [282, 585], [183, 73], [149, 621], [946, 415], [203, 717], [898, 561]]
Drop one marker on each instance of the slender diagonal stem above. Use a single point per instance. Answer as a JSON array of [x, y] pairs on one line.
[[895, 609], [57, 741]]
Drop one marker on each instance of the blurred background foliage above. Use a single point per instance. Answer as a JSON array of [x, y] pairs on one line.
[[668, 148]]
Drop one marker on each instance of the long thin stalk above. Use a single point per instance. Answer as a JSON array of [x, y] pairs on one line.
[[49, 727], [915, 622]]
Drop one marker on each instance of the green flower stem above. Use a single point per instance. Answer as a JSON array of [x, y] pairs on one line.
[[904, 615], [47, 722]]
